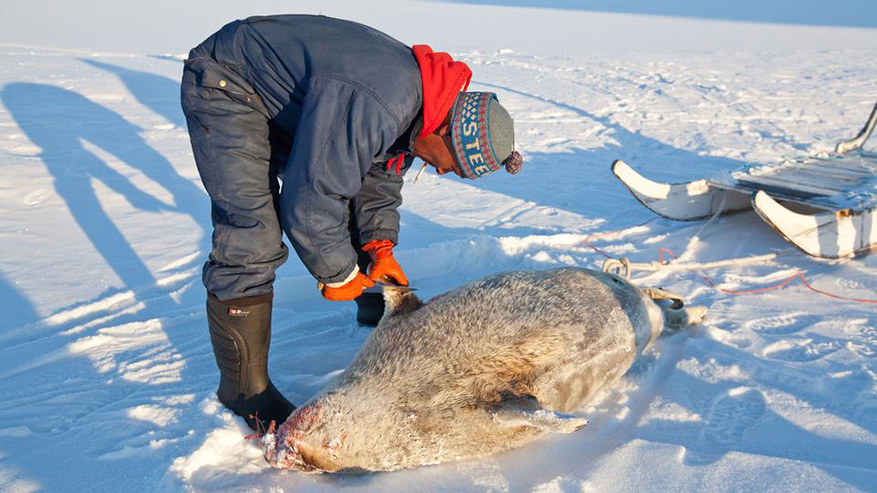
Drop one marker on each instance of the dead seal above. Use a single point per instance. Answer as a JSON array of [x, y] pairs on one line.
[[484, 368]]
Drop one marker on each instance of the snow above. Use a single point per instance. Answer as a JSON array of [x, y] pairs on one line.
[[106, 371]]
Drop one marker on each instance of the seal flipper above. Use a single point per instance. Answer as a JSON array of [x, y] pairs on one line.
[[526, 411], [677, 318]]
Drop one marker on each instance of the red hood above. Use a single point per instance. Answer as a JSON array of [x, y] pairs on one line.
[[443, 79]]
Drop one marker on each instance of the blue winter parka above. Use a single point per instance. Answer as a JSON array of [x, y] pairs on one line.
[[350, 97]]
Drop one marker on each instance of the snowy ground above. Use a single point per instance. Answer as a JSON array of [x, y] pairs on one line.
[[106, 373]]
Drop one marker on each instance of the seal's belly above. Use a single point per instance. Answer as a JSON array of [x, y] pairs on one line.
[[570, 387], [588, 366]]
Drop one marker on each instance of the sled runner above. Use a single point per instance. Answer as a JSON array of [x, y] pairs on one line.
[[825, 206]]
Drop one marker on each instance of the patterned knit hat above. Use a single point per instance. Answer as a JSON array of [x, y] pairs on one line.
[[483, 135]]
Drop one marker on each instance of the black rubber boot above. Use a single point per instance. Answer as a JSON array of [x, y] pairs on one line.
[[369, 309], [240, 331], [369, 306]]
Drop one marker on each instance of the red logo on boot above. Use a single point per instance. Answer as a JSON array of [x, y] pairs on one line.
[[238, 312]]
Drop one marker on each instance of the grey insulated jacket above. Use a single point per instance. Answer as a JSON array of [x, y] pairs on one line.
[[351, 97]]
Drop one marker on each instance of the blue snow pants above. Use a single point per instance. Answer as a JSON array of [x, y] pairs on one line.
[[239, 153]]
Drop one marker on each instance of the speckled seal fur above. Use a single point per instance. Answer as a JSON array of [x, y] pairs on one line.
[[484, 368]]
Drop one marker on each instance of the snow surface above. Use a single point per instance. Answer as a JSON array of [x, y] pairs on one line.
[[106, 372]]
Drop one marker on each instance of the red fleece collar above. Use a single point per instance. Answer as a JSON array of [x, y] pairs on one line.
[[443, 78]]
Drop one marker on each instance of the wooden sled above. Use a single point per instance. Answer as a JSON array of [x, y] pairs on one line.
[[834, 198]]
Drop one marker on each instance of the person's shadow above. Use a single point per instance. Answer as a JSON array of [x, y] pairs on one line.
[[159, 93], [75, 137], [18, 310], [59, 122]]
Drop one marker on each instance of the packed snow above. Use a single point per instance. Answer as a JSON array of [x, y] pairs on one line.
[[106, 370]]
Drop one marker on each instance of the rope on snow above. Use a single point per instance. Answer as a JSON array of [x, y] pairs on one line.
[[624, 267]]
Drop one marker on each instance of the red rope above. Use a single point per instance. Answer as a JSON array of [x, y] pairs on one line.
[[798, 274], [601, 252]]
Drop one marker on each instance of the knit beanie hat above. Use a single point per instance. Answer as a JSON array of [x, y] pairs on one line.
[[483, 135]]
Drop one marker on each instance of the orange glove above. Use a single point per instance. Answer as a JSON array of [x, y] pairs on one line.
[[348, 291], [383, 264]]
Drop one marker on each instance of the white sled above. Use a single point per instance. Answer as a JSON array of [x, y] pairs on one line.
[[837, 194]]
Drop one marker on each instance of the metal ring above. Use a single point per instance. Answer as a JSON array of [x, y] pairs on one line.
[[619, 267]]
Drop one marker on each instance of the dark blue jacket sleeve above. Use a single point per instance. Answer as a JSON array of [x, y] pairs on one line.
[[341, 130], [375, 207]]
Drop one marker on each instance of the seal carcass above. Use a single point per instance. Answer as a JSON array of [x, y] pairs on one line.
[[484, 368]]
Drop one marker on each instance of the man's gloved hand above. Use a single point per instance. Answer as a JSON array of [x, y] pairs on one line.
[[349, 291], [383, 264]]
